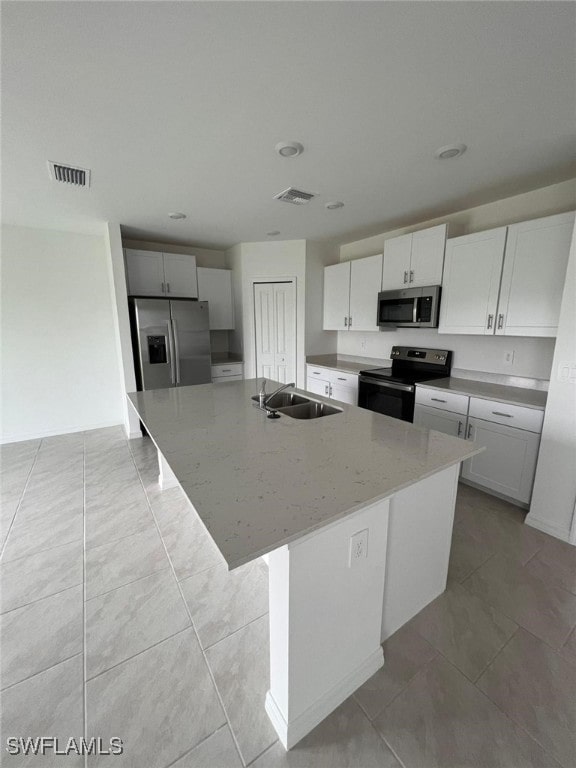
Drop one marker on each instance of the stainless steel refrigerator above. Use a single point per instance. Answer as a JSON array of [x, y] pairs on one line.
[[171, 340]]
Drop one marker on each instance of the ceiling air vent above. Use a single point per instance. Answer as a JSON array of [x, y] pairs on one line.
[[294, 196], [69, 174]]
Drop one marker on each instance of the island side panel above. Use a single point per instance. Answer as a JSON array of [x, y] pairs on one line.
[[419, 539], [325, 620]]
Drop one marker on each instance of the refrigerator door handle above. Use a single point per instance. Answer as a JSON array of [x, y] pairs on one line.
[[176, 350], [172, 353]]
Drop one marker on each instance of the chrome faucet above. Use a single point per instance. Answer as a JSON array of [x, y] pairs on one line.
[[263, 398]]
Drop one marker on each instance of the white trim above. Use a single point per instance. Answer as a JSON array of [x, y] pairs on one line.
[[59, 431], [550, 528], [291, 733]]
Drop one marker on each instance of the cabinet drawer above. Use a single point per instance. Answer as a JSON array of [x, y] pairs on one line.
[[504, 413], [227, 369], [225, 379], [316, 373], [341, 379], [447, 401]]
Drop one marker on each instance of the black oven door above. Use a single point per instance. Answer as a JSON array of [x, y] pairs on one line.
[[389, 398]]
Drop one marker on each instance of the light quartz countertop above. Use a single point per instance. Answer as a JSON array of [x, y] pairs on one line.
[[348, 364], [531, 398], [258, 483]]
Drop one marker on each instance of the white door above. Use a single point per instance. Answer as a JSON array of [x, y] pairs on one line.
[[275, 320], [533, 276], [215, 287], [396, 266], [365, 277], [427, 256], [180, 276], [144, 273], [442, 421], [471, 283], [336, 297], [509, 461], [318, 386]]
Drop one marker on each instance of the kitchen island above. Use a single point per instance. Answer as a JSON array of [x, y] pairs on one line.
[[354, 512]]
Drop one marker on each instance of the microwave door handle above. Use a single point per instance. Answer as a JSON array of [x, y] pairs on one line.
[[415, 310]]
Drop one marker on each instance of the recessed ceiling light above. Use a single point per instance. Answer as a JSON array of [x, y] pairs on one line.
[[273, 233], [450, 150], [177, 215], [289, 148], [334, 205]]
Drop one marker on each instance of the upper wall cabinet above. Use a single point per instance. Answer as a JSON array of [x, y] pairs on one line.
[[151, 273], [415, 259], [507, 281], [215, 287], [351, 294]]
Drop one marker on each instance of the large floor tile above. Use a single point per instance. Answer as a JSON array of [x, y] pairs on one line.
[[40, 635], [466, 554], [130, 619], [345, 739], [48, 704], [189, 546], [465, 629], [115, 512], [31, 578], [31, 534], [548, 611], [161, 703], [241, 667], [221, 601], [217, 751], [556, 562], [536, 688], [120, 562], [441, 720], [405, 653]]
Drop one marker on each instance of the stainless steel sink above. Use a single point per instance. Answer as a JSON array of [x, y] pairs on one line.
[[282, 400], [309, 410]]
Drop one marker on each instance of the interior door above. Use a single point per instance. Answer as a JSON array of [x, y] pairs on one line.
[[365, 279], [151, 326], [275, 326], [191, 332], [180, 276], [336, 297]]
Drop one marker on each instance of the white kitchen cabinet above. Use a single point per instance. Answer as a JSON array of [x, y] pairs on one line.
[[215, 287], [508, 464], [351, 294], [442, 421], [414, 259], [318, 386], [329, 382], [152, 273], [533, 277], [472, 270], [227, 372]]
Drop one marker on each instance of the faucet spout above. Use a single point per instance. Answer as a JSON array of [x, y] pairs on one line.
[[277, 391]]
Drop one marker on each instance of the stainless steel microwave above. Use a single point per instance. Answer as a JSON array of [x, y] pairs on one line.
[[409, 307]]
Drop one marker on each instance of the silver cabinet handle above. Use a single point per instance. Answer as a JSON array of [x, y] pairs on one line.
[[168, 287], [405, 276], [499, 413], [437, 399], [345, 322], [349, 322], [490, 321], [226, 370], [326, 389], [460, 425], [316, 373], [340, 378], [411, 275], [163, 287], [176, 351], [469, 435], [500, 321], [330, 389]]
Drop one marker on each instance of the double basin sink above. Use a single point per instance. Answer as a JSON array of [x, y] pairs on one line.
[[298, 407]]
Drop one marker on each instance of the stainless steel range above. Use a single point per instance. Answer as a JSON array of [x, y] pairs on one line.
[[391, 391]]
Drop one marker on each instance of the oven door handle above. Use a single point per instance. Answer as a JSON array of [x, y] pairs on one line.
[[388, 384]]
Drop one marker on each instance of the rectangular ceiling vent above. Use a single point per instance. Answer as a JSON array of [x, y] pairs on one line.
[[294, 196], [69, 174]]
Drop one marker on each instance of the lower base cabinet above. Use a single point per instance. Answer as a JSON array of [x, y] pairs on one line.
[[328, 382], [508, 464], [442, 421]]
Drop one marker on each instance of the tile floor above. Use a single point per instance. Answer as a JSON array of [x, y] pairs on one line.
[[120, 619]]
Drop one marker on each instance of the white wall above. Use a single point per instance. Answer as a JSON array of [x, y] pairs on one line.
[[532, 357], [318, 256], [60, 367], [205, 257], [554, 496]]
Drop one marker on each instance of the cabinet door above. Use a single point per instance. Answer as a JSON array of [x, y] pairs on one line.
[[442, 421], [533, 276], [508, 464], [344, 394], [396, 263], [471, 283], [144, 273], [427, 256], [318, 386], [336, 297], [365, 277], [215, 287], [180, 276]]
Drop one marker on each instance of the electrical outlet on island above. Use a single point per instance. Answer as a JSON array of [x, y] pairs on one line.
[[509, 357], [358, 548]]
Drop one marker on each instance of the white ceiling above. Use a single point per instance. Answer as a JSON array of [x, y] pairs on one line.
[[177, 106]]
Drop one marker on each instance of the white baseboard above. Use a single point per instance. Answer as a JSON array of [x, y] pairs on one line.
[[69, 430], [553, 530], [291, 733]]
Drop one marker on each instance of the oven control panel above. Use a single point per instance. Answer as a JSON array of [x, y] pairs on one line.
[[434, 356]]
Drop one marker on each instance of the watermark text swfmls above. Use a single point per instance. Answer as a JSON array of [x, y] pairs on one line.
[[46, 745]]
